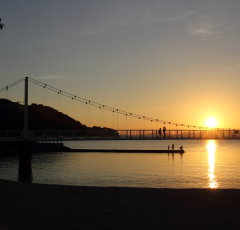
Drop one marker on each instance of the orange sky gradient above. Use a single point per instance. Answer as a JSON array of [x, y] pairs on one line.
[[171, 61]]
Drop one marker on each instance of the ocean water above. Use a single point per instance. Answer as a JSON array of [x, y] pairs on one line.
[[205, 164]]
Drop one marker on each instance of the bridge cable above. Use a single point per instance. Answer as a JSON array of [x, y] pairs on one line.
[[110, 108], [103, 117], [86, 115], [11, 85], [100, 117], [143, 122], [60, 96], [89, 120], [68, 95], [58, 101], [113, 119], [72, 108], [126, 121], [75, 109], [130, 122], [45, 95], [117, 119]]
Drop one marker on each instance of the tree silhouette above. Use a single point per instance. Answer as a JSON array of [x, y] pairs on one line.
[[1, 25], [40, 118]]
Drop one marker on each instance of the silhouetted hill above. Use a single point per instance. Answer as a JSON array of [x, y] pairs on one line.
[[40, 118]]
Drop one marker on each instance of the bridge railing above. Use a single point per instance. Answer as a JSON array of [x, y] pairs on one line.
[[119, 134]]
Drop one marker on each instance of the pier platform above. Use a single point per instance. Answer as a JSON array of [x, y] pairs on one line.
[[12, 147], [66, 149]]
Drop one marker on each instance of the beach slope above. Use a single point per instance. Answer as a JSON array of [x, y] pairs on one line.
[[36, 206]]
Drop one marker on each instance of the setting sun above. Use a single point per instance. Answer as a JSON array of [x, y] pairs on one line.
[[211, 122]]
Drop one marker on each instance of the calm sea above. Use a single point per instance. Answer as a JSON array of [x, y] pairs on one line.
[[206, 164]]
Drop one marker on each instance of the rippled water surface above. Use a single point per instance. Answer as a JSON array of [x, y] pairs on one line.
[[205, 164]]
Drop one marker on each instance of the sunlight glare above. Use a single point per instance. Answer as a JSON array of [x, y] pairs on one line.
[[211, 148], [211, 122]]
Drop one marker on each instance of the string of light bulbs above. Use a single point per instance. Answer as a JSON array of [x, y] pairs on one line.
[[96, 104], [109, 108]]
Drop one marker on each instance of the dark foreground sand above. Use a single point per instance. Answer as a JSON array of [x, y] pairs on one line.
[[36, 206]]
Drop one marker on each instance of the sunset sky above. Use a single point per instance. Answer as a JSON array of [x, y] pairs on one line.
[[175, 60]]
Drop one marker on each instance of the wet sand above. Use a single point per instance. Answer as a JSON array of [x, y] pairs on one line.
[[37, 206]]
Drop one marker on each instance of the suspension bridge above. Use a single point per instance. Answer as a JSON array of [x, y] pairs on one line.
[[188, 131]]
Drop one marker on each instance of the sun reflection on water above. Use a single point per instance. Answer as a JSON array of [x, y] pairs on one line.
[[211, 148]]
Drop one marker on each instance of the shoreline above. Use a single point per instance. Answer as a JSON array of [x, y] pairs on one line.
[[44, 206]]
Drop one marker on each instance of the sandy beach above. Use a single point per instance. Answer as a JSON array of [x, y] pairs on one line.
[[38, 206]]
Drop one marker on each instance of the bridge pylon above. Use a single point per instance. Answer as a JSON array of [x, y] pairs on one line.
[[25, 147], [26, 109]]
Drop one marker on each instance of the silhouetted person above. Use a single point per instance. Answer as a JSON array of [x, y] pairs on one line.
[[164, 131], [1, 25], [172, 146], [181, 148], [160, 132], [168, 147]]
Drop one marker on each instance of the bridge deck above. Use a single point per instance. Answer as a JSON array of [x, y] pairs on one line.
[[65, 135]]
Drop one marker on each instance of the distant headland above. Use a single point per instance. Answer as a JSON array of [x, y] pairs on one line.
[[40, 118]]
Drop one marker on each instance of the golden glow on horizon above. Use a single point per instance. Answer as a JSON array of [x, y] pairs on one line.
[[211, 122], [211, 148]]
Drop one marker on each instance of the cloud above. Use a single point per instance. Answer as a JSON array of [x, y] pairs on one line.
[[232, 26], [148, 17], [132, 17], [228, 69], [232, 68], [107, 25], [92, 28], [51, 76], [116, 15], [203, 31], [184, 15]]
